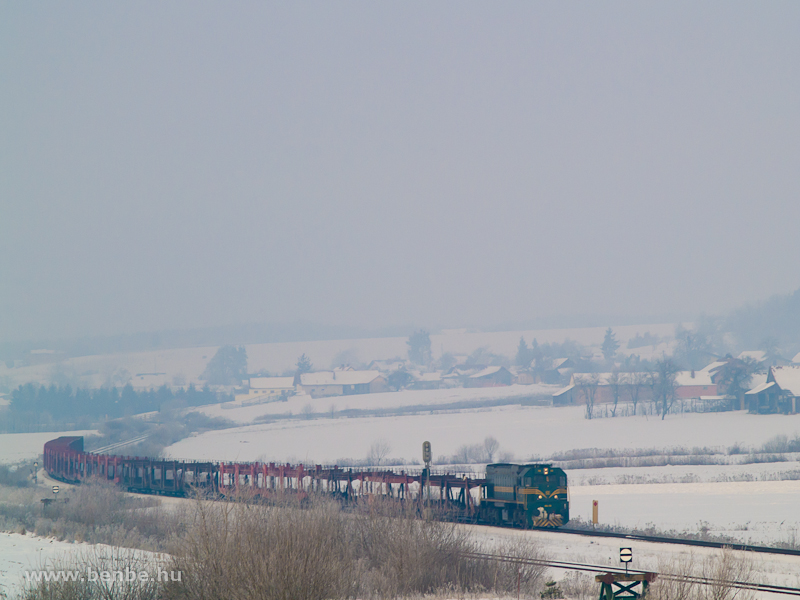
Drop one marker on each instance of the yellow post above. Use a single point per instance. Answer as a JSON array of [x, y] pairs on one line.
[[595, 520]]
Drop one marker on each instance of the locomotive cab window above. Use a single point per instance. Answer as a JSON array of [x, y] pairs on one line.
[[527, 482]]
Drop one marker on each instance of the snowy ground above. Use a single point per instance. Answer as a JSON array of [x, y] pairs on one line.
[[527, 431], [757, 512], [406, 399], [25, 552], [15, 447]]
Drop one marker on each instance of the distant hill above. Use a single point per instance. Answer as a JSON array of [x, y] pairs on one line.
[[776, 321], [248, 333]]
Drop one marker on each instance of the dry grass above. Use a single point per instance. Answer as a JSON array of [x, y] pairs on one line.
[[718, 569], [249, 550], [244, 548], [96, 512]]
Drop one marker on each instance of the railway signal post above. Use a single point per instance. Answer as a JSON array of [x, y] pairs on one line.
[[426, 458]]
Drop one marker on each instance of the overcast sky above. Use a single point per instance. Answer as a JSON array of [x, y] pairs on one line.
[[176, 165]]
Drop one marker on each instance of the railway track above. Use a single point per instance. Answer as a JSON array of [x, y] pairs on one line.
[[681, 541], [742, 585]]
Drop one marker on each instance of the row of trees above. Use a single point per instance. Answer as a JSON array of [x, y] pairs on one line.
[[660, 384], [63, 403]]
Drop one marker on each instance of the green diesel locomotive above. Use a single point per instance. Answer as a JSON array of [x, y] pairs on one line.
[[532, 495]]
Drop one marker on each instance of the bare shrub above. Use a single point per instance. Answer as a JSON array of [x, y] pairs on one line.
[[246, 549], [507, 574], [378, 451], [403, 554], [716, 572], [19, 475], [307, 411], [96, 512], [577, 585], [490, 446], [725, 567], [776, 445]]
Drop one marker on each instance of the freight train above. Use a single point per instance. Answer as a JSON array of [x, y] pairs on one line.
[[529, 495]]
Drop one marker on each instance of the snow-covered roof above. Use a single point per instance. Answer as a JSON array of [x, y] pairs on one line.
[[271, 383], [796, 358], [564, 390], [760, 388], [684, 378], [714, 366], [485, 372], [787, 378], [339, 377], [756, 355]]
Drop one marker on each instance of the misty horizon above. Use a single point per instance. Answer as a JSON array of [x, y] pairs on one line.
[[385, 168]]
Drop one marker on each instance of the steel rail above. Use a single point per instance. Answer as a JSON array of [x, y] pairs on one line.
[[682, 541]]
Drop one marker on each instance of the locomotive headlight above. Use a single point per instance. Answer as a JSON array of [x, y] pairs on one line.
[[540, 496], [555, 496]]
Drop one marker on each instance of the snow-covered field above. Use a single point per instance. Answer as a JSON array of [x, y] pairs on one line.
[[187, 364], [19, 553], [405, 399], [526, 431], [755, 512], [15, 447]]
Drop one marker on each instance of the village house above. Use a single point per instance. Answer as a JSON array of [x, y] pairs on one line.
[[490, 377], [688, 384], [604, 388], [265, 389], [779, 394], [426, 381], [694, 384], [342, 383]]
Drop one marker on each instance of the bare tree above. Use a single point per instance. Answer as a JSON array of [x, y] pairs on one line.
[[734, 378], [588, 385], [378, 452], [491, 446], [635, 384], [615, 384], [664, 385]]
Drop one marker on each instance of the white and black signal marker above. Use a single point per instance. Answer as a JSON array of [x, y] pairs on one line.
[[625, 556]]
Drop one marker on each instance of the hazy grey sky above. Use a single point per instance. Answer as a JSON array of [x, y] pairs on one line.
[[171, 165]]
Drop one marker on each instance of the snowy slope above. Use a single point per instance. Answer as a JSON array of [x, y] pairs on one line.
[[382, 401], [524, 430]]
